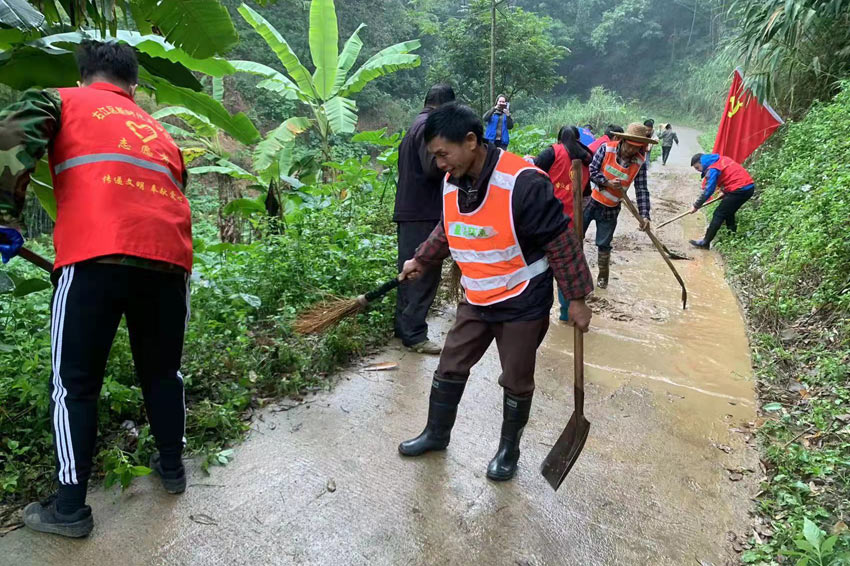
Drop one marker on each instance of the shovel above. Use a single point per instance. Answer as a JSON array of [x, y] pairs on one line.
[[569, 445], [36, 259], [675, 218], [659, 246]]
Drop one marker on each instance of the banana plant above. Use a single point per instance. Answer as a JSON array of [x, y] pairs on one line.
[[272, 163], [328, 90], [201, 28]]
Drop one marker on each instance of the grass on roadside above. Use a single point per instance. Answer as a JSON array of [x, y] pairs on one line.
[[789, 261]]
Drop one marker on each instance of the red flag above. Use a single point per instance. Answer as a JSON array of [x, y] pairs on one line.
[[745, 123]]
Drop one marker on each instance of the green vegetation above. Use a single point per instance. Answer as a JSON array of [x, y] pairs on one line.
[[291, 203], [789, 261], [240, 351]]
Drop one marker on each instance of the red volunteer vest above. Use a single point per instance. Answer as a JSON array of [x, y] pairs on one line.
[[484, 243], [118, 181], [559, 173], [597, 142], [613, 171], [733, 176]]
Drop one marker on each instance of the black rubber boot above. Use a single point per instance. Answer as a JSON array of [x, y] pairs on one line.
[[700, 244], [173, 480], [43, 517], [604, 260], [503, 465], [442, 410]]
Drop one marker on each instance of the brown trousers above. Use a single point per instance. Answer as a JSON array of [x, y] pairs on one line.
[[517, 342]]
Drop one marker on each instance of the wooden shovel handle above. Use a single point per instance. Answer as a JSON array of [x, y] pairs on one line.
[[675, 218], [578, 335], [36, 259], [659, 246]]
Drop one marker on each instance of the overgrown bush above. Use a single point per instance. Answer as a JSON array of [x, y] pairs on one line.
[[790, 261], [239, 348]]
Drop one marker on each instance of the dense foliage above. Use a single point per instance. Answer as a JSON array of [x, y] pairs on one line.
[[790, 261], [239, 350]]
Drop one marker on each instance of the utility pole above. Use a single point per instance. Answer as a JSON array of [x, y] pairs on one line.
[[492, 51]]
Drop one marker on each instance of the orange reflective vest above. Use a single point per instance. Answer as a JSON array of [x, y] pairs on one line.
[[613, 171], [484, 243], [118, 181]]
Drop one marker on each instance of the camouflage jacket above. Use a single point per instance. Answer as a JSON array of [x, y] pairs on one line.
[[26, 130]]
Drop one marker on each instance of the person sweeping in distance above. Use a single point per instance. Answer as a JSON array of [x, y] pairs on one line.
[[615, 166], [123, 241], [504, 227], [734, 181]]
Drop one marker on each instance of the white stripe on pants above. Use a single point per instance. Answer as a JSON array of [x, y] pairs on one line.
[[61, 428]]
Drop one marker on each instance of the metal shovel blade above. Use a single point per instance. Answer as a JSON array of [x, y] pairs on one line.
[[564, 454]]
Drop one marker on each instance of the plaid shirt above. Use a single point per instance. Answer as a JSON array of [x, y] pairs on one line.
[[641, 190], [566, 259]]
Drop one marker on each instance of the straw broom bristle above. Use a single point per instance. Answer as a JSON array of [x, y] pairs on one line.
[[325, 315]]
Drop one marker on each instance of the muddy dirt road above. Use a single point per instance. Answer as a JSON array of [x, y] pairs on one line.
[[322, 483]]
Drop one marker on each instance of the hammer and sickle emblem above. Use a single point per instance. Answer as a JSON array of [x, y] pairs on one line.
[[736, 105], [144, 132]]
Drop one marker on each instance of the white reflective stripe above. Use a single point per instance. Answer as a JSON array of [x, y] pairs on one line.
[[528, 273], [508, 281], [502, 180], [449, 188], [119, 157], [489, 256], [61, 427], [608, 195]]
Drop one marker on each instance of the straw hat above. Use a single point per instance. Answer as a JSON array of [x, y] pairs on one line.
[[637, 134]]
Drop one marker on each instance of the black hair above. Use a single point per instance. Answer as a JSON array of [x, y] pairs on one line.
[[612, 129], [453, 121], [649, 123], [669, 126], [438, 95], [501, 96], [569, 137], [113, 61], [696, 159]]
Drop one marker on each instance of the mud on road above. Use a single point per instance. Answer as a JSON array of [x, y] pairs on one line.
[[322, 483]]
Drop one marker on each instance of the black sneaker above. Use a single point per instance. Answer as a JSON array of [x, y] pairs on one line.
[[700, 244], [42, 516], [174, 481]]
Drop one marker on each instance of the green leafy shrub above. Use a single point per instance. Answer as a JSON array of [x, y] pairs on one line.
[[789, 260], [239, 347]]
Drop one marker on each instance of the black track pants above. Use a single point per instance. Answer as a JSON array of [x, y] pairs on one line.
[[725, 212], [88, 302]]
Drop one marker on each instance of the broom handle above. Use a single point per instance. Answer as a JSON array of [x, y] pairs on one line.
[[36, 259], [663, 224], [578, 335], [382, 290]]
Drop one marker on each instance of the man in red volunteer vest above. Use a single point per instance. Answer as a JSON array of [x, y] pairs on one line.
[[507, 232], [615, 166], [123, 242], [557, 161], [734, 181]]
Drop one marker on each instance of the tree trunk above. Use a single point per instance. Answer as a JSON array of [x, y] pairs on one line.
[[35, 218], [229, 226], [492, 51]]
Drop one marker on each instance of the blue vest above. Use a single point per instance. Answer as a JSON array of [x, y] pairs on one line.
[[490, 132]]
